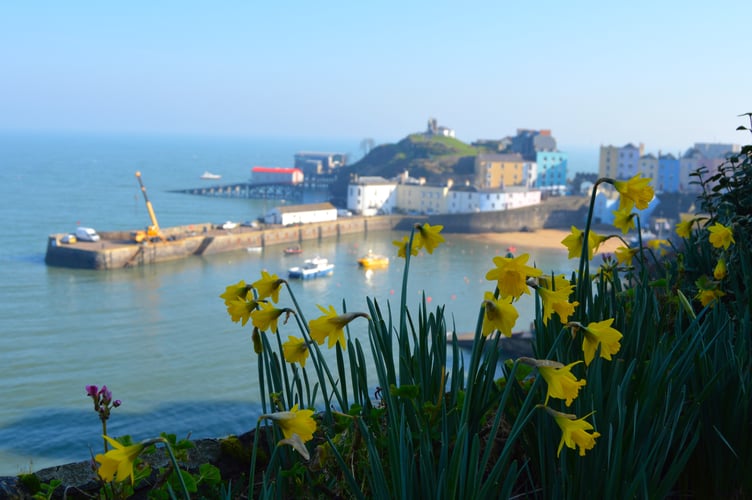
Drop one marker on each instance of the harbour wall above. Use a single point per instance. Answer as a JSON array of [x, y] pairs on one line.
[[554, 213], [116, 250]]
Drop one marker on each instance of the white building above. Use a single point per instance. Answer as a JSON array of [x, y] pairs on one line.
[[470, 200], [301, 214], [371, 196]]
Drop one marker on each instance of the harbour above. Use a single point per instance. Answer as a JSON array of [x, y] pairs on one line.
[[145, 329], [117, 249]]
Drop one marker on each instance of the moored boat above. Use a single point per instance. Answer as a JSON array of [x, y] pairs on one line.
[[373, 261], [210, 176], [293, 250], [312, 268]]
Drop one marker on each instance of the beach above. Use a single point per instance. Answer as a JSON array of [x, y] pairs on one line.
[[526, 242]]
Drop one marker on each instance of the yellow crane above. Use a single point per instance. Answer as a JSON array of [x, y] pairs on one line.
[[152, 233]]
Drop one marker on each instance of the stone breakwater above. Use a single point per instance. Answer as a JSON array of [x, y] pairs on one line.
[[116, 249]]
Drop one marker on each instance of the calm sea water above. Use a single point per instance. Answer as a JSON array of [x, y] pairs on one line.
[[159, 336]]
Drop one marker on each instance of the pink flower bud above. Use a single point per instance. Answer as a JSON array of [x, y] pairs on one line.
[[105, 395], [91, 391]]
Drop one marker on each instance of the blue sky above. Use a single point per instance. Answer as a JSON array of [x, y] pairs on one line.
[[663, 73]]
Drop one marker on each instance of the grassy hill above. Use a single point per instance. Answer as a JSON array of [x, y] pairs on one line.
[[437, 158], [434, 157]]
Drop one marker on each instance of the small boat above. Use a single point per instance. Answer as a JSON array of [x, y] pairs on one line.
[[210, 176], [293, 250], [311, 268], [255, 249], [372, 261]]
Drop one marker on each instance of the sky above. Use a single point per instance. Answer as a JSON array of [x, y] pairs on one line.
[[663, 73]]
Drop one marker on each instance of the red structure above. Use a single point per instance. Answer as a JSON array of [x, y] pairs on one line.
[[276, 175]]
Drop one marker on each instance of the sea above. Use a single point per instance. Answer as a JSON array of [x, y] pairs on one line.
[[159, 336]]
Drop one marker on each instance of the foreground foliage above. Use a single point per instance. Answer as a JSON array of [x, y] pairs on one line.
[[638, 385]]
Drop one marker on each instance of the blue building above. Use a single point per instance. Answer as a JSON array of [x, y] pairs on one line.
[[669, 174], [552, 171]]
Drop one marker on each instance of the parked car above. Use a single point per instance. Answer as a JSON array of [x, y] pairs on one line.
[[250, 223], [69, 239], [86, 234], [229, 225]]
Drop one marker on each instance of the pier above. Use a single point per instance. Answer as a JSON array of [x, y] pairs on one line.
[[273, 191]]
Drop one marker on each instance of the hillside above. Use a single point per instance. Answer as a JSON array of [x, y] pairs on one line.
[[433, 157], [437, 158]]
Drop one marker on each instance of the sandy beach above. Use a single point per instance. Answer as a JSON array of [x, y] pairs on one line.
[[543, 238]]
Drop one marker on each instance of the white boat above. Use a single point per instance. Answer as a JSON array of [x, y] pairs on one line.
[[255, 249], [311, 268], [210, 176]]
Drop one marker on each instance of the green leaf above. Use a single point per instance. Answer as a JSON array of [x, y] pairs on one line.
[[209, 474], [405, 391]]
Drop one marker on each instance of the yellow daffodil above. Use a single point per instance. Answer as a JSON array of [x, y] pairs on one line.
[[511, 273], [709, 296], [561, 382], [624, 255], [635, 192], [684, 228], [295, 350], [606, 270], [118, 462], [555, 298], [402, 246], [657, 244], [429, 236], [241, 309], [624, 219], [236, 291], [268, 286], [267, 316], [499, 315], [574, 431], [297, 443], [721, 236], [574, 241], [295, 421], [331, 325], [599, 333], [720, 269]]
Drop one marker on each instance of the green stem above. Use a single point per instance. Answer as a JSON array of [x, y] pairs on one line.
[[585, 254], [175, 464], [403, 304], [318, 362]]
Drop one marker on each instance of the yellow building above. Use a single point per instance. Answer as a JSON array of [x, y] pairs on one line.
[[608, 162], [502, 170], [422, 198]]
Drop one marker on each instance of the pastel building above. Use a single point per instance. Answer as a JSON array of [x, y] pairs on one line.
[[669, 174], [465, 199], [371, 195], [504, 170], [608, 163], [422, 198], [551, 171], [620, 162], [648, 167]]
